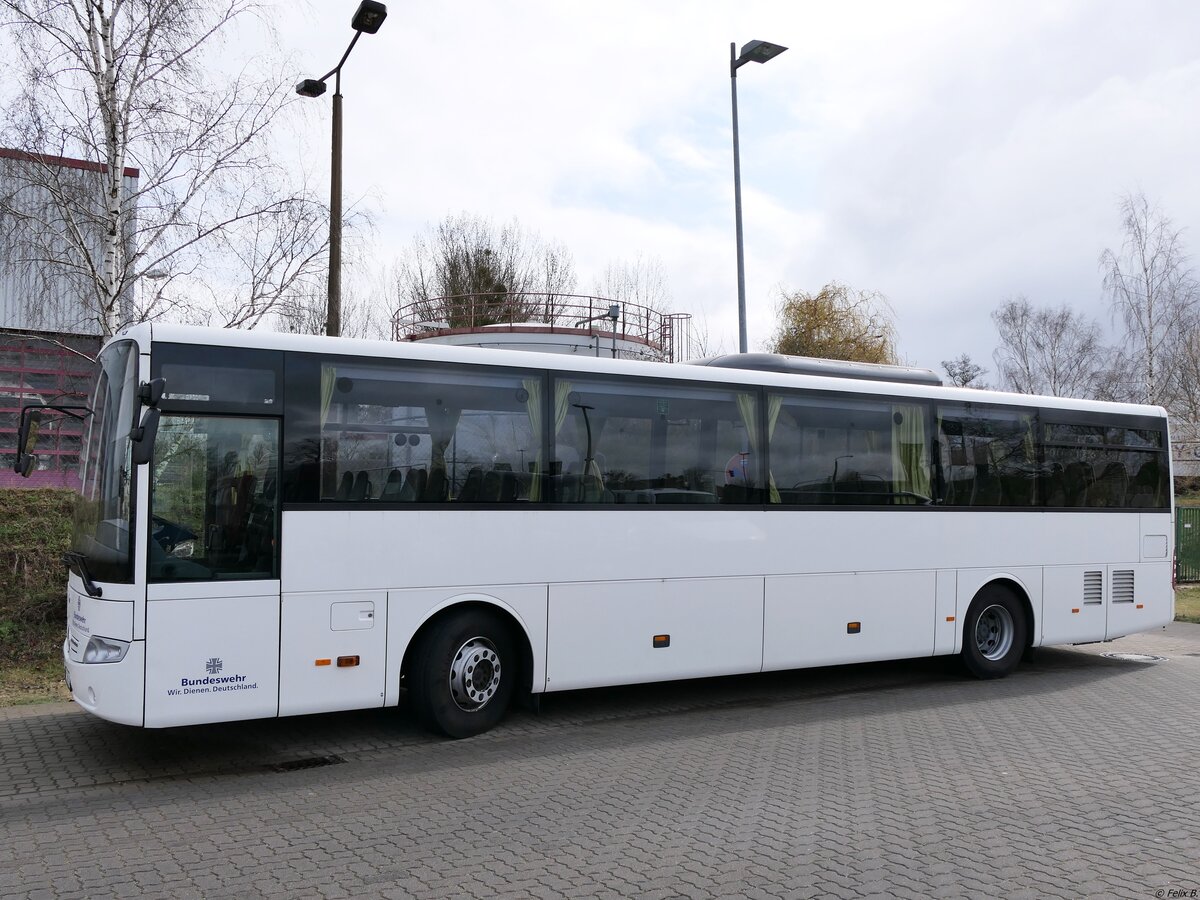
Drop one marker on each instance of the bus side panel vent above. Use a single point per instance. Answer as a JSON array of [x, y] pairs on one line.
[[1093, 587], [1122, 586]]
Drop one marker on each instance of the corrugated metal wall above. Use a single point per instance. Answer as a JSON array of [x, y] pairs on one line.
[[37, 295], [46, 369]]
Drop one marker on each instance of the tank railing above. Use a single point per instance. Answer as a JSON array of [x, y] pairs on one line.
[[467, 312]]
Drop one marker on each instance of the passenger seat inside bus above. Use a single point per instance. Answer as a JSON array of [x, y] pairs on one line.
[[362, 487], [414, 485], [435, 487], [469, 492], [960, 485], [1111, 487], [1053, 486], [1077, 479], [391, 487], [1143, 492]]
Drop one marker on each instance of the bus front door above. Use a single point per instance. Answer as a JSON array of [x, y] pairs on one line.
[[212, 546]]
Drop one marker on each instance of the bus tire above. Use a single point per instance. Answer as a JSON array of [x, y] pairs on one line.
[[463, 674], [994, 633]]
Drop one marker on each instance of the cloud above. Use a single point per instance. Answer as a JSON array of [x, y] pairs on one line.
[[946, 154]]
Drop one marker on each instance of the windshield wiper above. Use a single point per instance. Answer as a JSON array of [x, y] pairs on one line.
[[77, 563]]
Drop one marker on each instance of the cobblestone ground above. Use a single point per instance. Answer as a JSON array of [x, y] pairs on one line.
[[1076, 777]]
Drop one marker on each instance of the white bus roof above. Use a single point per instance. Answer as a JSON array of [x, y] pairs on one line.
[[447, 353]]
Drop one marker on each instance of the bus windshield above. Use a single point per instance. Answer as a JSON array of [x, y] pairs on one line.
[[103, 510]]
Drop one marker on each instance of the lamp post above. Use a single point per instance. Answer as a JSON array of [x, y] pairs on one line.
[[367, 19], [759, 52]]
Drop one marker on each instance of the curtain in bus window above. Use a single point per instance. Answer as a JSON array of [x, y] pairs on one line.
[[328, 444], [910, 454], [328, 378], [562, 405], [533, 408], [774, 405], [747, 405], [443, 422]]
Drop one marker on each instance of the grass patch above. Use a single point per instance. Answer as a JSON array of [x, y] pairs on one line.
[[36, 683], [1187, 603]]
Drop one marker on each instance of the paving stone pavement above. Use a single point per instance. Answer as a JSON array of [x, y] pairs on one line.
[[1076, 777]]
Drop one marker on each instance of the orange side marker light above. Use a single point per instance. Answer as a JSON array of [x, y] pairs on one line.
[[324, 662], [346, 662]]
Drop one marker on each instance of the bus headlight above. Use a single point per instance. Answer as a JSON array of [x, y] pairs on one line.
[[104, 650]]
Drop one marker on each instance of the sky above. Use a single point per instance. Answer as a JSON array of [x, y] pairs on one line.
[[948, 155]]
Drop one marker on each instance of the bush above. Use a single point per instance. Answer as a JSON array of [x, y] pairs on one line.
[[35, 529], [1187, 489]]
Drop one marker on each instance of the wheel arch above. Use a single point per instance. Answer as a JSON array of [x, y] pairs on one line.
[[1013, 586], [481, 602]]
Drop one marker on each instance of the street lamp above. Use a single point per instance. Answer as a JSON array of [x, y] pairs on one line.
[[367, 19], [759, 52]]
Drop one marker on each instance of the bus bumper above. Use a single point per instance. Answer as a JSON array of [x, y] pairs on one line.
[[112, 691]]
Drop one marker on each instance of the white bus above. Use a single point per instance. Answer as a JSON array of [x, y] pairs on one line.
[[277, 524]]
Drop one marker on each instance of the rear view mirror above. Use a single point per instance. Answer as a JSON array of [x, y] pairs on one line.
[[31, 423], [151, 391], [143, 437]]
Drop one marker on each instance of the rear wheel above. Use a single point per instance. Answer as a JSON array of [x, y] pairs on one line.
[[464, 673], [994, 633]]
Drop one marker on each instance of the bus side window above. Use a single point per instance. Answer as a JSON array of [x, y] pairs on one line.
[[399, 432], [848, 451], [989, 456], [632, 443]]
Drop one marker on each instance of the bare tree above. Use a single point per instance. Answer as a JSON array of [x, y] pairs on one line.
[[1154, 293], [125, 85], [965, 372], [469, 272], [366, 305], [303, 311], [700, 340], [1186, 362], [838, 322], [642, 281], [1048, 351]]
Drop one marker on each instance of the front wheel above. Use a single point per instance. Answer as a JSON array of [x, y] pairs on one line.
[[463, 674], [994, 633]]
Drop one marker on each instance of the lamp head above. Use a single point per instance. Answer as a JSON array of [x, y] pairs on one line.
[[310, 87], [760, 51], [369, 16]]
